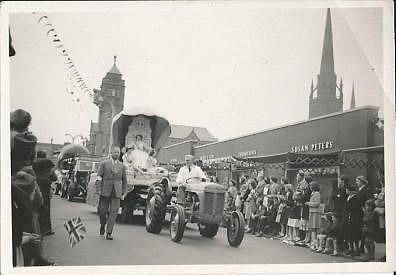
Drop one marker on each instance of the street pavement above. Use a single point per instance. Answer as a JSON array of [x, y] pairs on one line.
[[132, 245]]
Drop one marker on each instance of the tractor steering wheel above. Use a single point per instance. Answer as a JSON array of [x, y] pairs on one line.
[[198, 178]]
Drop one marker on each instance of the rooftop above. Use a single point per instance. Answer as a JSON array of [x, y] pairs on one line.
[[294, 123], [183, 131]]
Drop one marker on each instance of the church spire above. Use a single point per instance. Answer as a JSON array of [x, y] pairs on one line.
[[327, 100], [353, 103], [327, 63]]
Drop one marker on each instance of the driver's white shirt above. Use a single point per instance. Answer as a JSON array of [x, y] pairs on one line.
[[184, 174]]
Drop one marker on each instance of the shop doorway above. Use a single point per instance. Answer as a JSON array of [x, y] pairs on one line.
[[327, 177]]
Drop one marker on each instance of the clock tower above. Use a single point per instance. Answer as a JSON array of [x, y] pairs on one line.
[[110, 101]]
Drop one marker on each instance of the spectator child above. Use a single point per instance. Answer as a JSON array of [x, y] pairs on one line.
[[267, 222], [289, 204], [370, 226], [275, 187], [266, 191], [325, 223], [380, 211], [334, 236], [254, 221], [363, 194], [293, 221], [304, 187], [314, 213], [352, 220], [250, 202], [281, 214]]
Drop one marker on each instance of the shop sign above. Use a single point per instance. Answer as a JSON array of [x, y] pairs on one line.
[[323, 171], [203, 158], [246, 154], [173, 161], [320, 146], [217, 160]]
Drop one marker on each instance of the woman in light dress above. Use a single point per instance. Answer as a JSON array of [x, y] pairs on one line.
[[137, 157]]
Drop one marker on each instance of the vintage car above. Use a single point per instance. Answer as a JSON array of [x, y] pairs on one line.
[[77, 164]]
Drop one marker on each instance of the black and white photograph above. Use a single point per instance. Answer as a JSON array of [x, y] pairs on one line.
[[197, 137]]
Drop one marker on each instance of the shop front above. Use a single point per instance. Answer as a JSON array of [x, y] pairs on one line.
[[326, 147]]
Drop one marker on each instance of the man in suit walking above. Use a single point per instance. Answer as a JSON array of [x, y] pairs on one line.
[[111, 183]]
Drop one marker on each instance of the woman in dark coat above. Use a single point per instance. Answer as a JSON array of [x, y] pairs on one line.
[[45, 177], [353, 220], [339, 195]]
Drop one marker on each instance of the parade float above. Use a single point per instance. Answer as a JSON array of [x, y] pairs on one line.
[[154, 131]]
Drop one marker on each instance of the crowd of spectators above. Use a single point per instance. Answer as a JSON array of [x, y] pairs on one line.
[[31, 178], [295, 214]]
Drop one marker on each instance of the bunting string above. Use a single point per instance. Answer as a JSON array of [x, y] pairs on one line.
[[76, 84]]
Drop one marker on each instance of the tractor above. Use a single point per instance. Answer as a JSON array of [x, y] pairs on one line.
[[197, 201]]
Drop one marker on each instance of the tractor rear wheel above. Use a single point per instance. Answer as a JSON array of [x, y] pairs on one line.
[[235, 229], [208, 230], [177, 223], [155, 209]]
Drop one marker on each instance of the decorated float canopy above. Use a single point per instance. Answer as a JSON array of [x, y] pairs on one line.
[[69, 152], [126, 125]]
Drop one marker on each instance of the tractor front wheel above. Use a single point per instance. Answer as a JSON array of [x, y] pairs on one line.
[[177, 223], [208, 230], [235, 229]]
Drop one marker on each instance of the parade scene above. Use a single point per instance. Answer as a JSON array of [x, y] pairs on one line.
[[201, 144]]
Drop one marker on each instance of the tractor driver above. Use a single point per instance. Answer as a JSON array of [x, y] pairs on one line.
[[189, 171]]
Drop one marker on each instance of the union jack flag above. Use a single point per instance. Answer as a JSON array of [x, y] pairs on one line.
[[76, 230]]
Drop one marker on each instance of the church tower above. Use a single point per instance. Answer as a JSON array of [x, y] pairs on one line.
[[110, 100], [323, 98]]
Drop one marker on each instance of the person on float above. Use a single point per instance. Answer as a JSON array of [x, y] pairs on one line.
[[139, 156], [188, 171], [126, 158], [151, 160]]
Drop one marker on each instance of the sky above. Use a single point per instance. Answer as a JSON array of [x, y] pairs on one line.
[[234, 69]]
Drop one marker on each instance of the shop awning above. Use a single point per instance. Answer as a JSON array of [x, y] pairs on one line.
[[372, 149], [297, 159], [313, 160]]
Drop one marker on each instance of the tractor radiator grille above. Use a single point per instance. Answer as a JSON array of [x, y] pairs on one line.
[[214, 203]]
